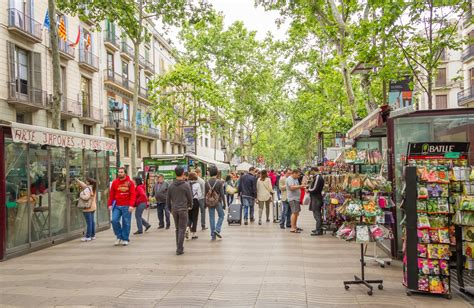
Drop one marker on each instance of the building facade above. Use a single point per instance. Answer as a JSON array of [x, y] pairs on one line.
[[465, 97]]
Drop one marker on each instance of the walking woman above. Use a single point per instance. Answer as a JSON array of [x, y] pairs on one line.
[[264, 195], [230, 189], [88, 193], [193, 213], [141, 203]]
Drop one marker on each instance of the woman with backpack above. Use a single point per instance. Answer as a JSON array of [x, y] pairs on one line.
[[215, 202], [89, 206], [264, 195], [141, 203], [193, 213]]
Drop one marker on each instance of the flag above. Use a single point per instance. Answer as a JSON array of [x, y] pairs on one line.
[[46, 20], [88, 41], [62, 29], [77, 39]]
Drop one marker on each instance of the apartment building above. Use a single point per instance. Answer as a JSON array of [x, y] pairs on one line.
[[465, 97]]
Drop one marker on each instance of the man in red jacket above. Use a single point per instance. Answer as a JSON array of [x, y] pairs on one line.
[[122, 204]]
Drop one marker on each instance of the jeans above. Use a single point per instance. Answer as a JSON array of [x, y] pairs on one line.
[[122, 232], [212, 219], [248, 204], [285, 214], [202, 207], [138, 216], [180, 221], [230, 199], [89, 217], [163, 212]]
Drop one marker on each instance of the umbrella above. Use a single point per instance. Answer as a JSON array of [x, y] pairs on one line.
[[243, 166]]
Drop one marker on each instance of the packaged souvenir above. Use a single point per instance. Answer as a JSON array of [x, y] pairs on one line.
[[444, 267], [433, 265], [444, 190], [468, 188], [371, 208], [468, 234], [344, 231], [432, 205], [443, 205], [467, 219], [423, 221], [362, 234], [443, 176], [436, 286], [422, 192], [469, 249], [434, 236], [452, 235], [383, 203], [356, 183], [422, 252], [380, 219], [432, 175], [353, 209], [444, 236], [456, 187], [423, 284], [423, 236], [421, 205], [423, 267], [434, 190], [377, 232], [445, 281], [369, 220], [438, 251], [467, 203], [438, 221]]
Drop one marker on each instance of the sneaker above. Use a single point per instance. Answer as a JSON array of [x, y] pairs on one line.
[[118, 242], [138, 232], [203, 228], [146, 229], [178, 253], [282, 227], [217, 234], [93, 238], [194, 237], [252, 219], [186, 235], [86, 239], [246, 223], [268, 220], [213, 238], [124, 243], [167, 227], [260, 222], [299, 229], [161, 227]]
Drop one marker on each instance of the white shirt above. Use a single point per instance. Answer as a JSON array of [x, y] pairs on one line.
[[197, 191]]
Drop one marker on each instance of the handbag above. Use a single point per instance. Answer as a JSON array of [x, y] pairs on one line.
[[306, 199], [85, 200], [230, 190]]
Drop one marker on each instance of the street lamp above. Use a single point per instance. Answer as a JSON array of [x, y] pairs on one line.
[[116, 109]]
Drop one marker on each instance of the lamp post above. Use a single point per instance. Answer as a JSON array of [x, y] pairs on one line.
[[116, 110]]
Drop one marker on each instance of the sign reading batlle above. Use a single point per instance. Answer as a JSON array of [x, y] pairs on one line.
[[437, 148]]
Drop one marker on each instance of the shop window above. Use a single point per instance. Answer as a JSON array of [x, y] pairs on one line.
[[441, 78], [441, 101], [139, 148], [126, 146], [76, 170], [59, 191], [102, 189], [39, 191]]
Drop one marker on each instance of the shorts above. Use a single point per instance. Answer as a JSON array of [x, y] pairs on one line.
[[295, 206]]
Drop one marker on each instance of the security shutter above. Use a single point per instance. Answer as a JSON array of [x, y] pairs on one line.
[[36, 90]]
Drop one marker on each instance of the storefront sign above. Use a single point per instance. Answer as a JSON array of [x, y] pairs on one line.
[[41, 135], [444, 149]]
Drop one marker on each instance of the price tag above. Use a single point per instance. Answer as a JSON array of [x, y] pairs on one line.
[[453, 155]]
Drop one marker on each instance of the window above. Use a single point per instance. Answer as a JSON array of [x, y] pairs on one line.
[[149, 148], [64, 83], [25, 118], [85, 95], [206, 142], [125, 70], [441, 101], [126, 111], [111, 136], [21, 70], [126, 152], [163, 145], [441, 78], [139, 148], [147, 54], [87, 129], [86, 42], [110, 64], [64, 125]]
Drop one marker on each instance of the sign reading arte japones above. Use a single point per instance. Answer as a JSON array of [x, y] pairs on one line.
[[437, 148]]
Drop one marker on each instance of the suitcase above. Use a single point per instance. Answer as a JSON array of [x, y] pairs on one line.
[[234, 216], [276, 211]]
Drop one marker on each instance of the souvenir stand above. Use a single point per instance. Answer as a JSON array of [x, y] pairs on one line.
[[364, 212], [431, 196]]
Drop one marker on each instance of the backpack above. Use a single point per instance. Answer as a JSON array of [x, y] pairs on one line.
[[212, 197]]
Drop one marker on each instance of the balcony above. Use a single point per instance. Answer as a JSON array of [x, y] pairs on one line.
[[25, 97], [70, 108], [65, 50], [111, 41], [90, 113], [126, 51], [149, 68], [117, 81], [88, 60], [468, 54], [24, 26], [148, 131], [124, 125], [466, 96]]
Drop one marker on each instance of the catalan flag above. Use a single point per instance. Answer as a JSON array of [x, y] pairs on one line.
[[62, 29], [77, 38], [88, 41]]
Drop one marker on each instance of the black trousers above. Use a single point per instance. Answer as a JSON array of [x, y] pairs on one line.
[[316, 207], [193, 215], [180, 222]]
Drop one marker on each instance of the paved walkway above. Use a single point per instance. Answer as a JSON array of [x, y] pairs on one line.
[[253, 265]]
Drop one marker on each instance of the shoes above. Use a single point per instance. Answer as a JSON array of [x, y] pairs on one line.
[[124, 243], [299, 229], [213, 238], [186, 235], [146, 229], [246, 223], [93, 238], [217, 234], [167, 227], [288, 226], [203, 228], [252, 219], [194, 237], [316, 233], [282, 227], [138, 232], [295, 231], [161, 227], [259, 222], [86, 239], [118, 242], [178, 253], [268, 220]]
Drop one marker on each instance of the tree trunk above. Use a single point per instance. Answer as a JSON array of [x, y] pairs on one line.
[[347, 81], [430, 90], [369, 102], [57, 93], [134, 106]]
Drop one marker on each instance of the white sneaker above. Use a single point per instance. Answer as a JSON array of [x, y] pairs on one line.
[[86, 239], [93, 238], [186, 235], [118, 242], [124, 243]]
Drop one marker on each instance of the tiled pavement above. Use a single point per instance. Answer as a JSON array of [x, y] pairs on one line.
[[253, 265]]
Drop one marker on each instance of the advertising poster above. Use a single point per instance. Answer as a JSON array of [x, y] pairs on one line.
[[400, 95], [190, 139]]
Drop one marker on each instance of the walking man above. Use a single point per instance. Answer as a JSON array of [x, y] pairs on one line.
[[179, 199], [160, 191], [293, 189], [285, 206], [316, 194], [122, 203], [248, 193], [215, 201], [202, 206]]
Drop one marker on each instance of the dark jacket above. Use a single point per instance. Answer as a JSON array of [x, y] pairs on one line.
[[219, 188], [248, 186], [160, 194], [316, 187], [179, 196]]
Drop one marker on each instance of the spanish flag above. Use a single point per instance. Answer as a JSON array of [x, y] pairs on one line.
[[62, 29]]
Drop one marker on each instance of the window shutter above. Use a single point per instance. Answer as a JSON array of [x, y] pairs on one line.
[[11, 69], [36, 90]]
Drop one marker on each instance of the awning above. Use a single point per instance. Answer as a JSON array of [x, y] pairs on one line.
[[371, 121], [42, 135], [219, 165]]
